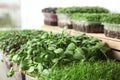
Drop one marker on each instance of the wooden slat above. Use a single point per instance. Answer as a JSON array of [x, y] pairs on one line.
[[116, 54]]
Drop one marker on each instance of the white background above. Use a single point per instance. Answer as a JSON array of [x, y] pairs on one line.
[[32, 18]]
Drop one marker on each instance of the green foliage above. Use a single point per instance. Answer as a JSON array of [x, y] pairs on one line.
[[40, 51], [86, 17], [12, 40], [10, 73], [111, 18], [101, 70], [86, 9], [111, 21]]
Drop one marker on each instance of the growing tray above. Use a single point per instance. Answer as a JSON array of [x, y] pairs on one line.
[[50, 19], [63, 24], [89, 27], [19, 75], [112, 30], [64, 20]]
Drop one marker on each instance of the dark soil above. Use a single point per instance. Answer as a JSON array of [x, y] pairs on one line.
[[90, 28], [112, 34], [51, 23]]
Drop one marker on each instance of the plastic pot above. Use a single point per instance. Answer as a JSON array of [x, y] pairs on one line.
[[112, 30], [89, 27], [50, 19], [64, 20], [94, 27]]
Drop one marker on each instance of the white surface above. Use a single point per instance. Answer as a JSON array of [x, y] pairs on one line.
[[10, 1], [32, 18]]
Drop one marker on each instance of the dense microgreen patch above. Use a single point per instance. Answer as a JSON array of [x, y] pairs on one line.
[[111, 21], [12, 40], [86, 17], [40, 51], [101, 70], [111, 18], [84, 9]]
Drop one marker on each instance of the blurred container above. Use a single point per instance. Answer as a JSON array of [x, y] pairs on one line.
[[112, 30], [50, 19], [64, 20], [89, 27]]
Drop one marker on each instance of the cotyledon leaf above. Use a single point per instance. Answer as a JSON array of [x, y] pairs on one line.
[[79, 54]]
